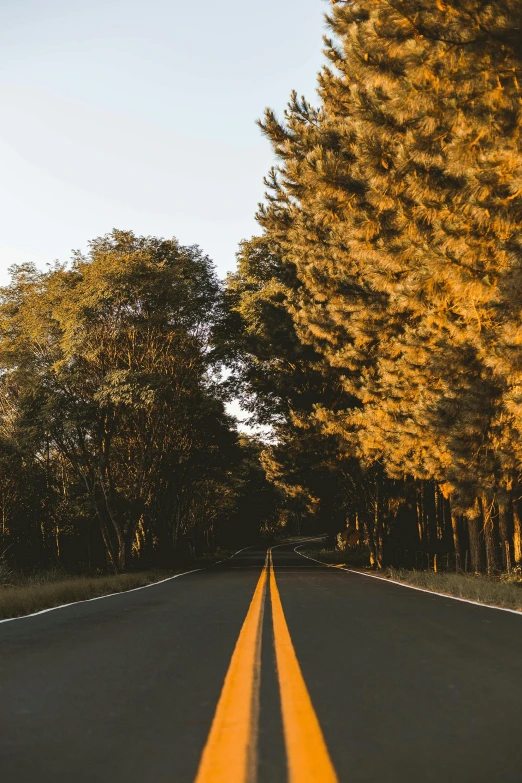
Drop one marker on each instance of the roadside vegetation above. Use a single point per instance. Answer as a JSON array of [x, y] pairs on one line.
[[48, 589], [502, 590], [378, 309], [116, 450], [373, 324], [24, 593]]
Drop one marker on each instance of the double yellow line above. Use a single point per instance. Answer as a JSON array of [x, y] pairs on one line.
[[230, 754]]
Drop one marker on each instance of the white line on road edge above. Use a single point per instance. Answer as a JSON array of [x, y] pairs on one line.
[[121, 592], [97, 598], [235, 553], [412, 587], [300, 542], [252, 546]]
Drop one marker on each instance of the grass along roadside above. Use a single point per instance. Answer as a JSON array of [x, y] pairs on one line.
[[495, 591], [44, 593], [475, 587], [25, 594]]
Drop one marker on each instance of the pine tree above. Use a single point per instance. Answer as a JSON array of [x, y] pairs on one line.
[[398, 202]]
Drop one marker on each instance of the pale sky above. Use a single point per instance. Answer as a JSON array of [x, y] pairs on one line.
[[140, 114]]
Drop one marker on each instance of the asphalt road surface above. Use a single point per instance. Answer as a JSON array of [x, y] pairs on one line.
[[330, 676]]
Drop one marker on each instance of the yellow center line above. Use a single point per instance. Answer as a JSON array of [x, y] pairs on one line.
[[307, 755], [230, 753]]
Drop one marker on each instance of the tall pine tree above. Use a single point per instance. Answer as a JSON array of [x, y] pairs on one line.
[[398, 203]]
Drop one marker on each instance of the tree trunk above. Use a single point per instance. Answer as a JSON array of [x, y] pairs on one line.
[[123, 552], [456, 538], [505, 526], [431, 515], [517, 534], [419, 507], [370, 540], [490, 534], [110, 548], [378, 525], [475, 544], [439, 512]]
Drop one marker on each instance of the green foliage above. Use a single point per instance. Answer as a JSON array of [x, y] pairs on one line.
[[109, 393], [374, 325], [281, 380]]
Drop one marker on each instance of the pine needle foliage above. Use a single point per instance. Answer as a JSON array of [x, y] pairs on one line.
[[397, 205]]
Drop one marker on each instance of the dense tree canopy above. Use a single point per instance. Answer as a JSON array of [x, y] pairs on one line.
[[374, 325], [109, 393], [395, 213]]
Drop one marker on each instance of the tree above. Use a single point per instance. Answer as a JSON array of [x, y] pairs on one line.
[[397, 206], [107, 365], [281, 380]]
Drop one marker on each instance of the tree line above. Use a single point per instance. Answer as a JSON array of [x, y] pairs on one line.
[[379, 311], [115, 446], [374, 323]]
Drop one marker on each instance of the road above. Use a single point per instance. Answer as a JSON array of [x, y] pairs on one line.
[[376, 682]]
